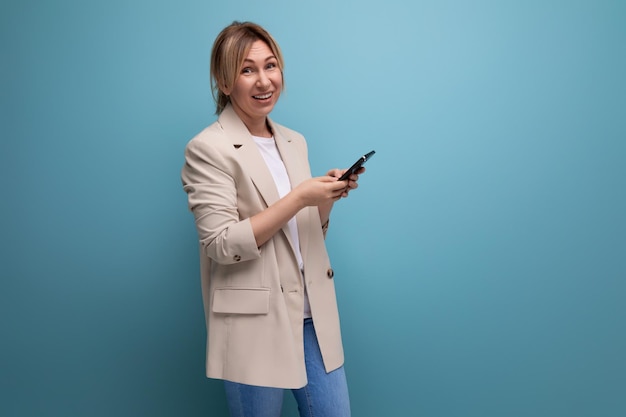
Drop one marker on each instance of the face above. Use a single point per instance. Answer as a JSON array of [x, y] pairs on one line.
[[258, 85]]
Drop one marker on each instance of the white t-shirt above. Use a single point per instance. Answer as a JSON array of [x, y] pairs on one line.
[[274, 162]]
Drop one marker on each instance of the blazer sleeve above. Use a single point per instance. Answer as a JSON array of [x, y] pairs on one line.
[[212, 198]]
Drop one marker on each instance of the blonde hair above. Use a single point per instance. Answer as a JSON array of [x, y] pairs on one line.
[[229, 51]]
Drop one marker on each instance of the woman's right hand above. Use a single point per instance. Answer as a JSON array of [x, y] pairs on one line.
[[319, 190]]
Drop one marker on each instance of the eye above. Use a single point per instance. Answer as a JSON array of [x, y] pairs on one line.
[[271, 65], [246, 70]]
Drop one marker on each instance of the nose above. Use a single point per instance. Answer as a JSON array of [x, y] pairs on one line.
[[264, 81]]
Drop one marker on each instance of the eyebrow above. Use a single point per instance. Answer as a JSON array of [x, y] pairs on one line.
[[266, 59]]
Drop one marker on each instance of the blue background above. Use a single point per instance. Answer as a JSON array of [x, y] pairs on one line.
[[480, 266]]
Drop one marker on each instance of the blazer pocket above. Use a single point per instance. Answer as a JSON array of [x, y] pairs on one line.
[[241, 300]]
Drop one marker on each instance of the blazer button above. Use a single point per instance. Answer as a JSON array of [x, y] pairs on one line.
[[237, 258], [330, 273]]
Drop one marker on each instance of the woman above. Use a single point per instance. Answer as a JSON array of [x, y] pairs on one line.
[[268, 291]]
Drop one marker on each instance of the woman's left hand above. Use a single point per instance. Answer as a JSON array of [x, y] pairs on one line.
[[351, 182]]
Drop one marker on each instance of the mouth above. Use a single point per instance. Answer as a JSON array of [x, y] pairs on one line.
[[263, 96]]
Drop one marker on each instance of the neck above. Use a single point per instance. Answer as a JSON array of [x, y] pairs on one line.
[[259, 128], [256, 126]]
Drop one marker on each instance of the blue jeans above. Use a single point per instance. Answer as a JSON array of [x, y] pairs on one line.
[[325, 395]]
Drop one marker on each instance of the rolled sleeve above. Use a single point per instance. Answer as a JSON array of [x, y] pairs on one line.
[[212, 198], [235, 244]]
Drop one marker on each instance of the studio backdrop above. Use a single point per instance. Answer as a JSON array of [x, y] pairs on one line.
[[480, 266]]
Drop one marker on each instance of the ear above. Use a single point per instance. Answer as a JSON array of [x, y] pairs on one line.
[[224, 89]]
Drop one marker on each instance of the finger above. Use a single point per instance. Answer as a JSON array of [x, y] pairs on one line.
[[339, 185], [337, 195], [329, 178], [335, 173]]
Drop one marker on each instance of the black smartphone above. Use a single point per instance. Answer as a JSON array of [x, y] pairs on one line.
[[355, 167]]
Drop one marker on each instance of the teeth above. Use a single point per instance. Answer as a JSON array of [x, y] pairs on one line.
[[264, 96]]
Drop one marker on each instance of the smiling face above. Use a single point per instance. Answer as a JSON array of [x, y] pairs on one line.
[[257, 87]]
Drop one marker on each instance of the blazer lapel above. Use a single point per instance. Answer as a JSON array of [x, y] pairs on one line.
[[296, 167], [249, 154], [298, 171]]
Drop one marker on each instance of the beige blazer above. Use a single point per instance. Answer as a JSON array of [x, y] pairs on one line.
[[254, 297]]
